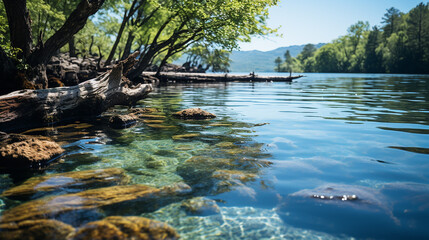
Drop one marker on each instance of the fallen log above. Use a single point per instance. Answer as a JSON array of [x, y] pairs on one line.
[[31, 108], [210, 77]]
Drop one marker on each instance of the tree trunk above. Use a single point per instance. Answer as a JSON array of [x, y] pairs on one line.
[[90, 46], [19, 25], [118, 39], [31, 108], [72, 48], [127, 49], [127, 16], [7, 71]]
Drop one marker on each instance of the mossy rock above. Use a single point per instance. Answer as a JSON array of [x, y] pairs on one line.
[[193, 113], [22, 151], [46, 229], [117, 227], [185, 136], [80, 179], [89, 200], [200, 206]]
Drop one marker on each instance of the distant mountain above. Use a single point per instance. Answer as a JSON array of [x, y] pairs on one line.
[[257, 61]]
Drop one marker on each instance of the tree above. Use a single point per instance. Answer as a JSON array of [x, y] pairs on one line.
[[326, 60], [218, 23], [391, 21], [288, 61], [278, 62], [372, 62], [418, 36], [307, 52], [37, 57], [128, 13]]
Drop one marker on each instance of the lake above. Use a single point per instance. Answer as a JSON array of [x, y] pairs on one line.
[[329, 156]]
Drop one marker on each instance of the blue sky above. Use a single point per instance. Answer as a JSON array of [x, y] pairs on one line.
[[316, 21]]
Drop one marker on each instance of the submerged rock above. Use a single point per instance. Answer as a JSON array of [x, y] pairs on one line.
[[179, 188], [353, 210], [138, 111], [200, 206], [122, 121], [194, 113], [224, 180], [116, 227], [80, 179], [198, 169], [184, 136], [46, 229], [27, 151], [55, 206]]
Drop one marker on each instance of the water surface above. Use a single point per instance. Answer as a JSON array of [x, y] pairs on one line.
[[327, 156]]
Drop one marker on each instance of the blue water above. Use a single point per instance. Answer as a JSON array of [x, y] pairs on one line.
[[332, 156]]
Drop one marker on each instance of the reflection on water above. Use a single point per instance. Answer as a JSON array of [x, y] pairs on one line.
[[328, 156]]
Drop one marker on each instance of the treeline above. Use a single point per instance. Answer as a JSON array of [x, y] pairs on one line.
[[400, 45], [32, 31]]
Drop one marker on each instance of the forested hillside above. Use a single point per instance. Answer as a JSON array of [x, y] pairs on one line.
[[399, 45]]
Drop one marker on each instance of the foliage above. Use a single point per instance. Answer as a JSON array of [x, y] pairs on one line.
[[160, 29], [401, 45]]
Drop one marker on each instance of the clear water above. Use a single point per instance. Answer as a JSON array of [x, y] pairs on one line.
[[327, 156]]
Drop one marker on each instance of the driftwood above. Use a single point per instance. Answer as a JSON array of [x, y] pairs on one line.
[[31, 108], [205, 77]]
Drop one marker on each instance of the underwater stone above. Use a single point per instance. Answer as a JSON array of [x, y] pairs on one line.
[[153, 121], [80, 179], [182, 136], [122, 121], [198, 169], [220, 124], [230, 175], [225, 145], [193, 113], [22, 151], [116, 227], [226, 179], [45, 229], [200, 206], [160, 126], [153, 162], [54, 206], [138, 111], [160, 161]]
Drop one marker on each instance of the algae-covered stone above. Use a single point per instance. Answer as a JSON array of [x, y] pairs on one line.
[[193, 113], [160, 126], [116, 227], [138, 111], [220, 125], [122, 121], [54, 206], [46, 229], [227, 179], [225, 145], [230, 175], [179, 188], [160, 161], [200, 206], [150, 116], [153, 121], [22, 151], [197, 170], [184, 136], [152, 162], [80, 179]]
